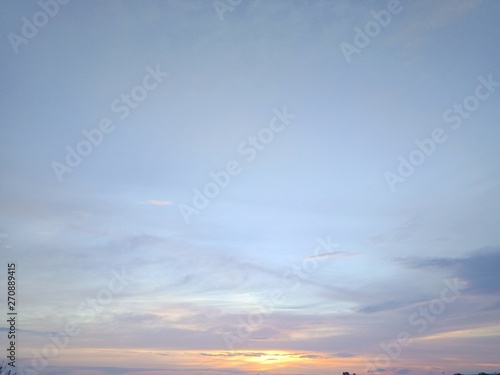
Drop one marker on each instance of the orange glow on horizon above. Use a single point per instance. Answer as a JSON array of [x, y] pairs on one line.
[[242, 360]]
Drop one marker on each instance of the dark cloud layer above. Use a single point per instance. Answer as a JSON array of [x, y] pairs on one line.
[[480, 270]]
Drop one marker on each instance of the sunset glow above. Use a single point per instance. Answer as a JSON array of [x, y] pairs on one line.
[[250, 187]]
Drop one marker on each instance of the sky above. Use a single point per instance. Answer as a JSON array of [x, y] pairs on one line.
[[250, 187]]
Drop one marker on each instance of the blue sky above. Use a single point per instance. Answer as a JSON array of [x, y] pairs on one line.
[[336, 139]]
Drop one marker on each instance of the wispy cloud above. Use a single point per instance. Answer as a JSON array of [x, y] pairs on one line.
[[384, 306], [81, 213], [156, 202], [427, 18], [487, 331], [334, 254]]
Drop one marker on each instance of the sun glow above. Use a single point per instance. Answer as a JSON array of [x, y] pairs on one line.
[[269, 360], [283, 361]]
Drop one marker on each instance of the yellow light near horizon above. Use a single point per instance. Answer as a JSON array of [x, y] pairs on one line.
[[255, 360], [290, 361], [274, 360], [287, 362]]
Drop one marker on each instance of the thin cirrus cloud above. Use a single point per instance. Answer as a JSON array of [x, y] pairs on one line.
[[334, 254], [156, 202], [323, 176]]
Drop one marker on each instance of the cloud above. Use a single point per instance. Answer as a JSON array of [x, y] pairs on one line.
[[479, 270], [136, 318], [81, 213], [343, 355], [438, 15], [156, 202], [384, 306], [484, 331], [235, 354], [30, 332], [494, 306], [403, 232], [313, 356], [334, 254], [84, 370]]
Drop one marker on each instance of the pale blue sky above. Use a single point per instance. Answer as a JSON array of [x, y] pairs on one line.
[[322, 176]]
